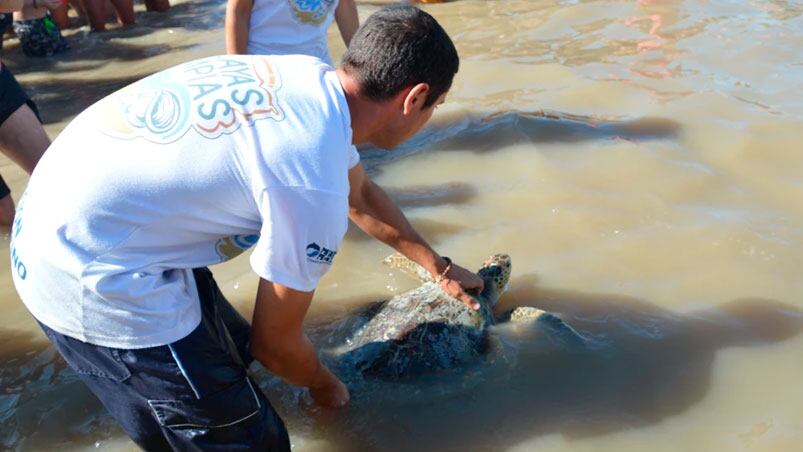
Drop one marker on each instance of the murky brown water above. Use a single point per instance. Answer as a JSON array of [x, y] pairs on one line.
[[657, 205]]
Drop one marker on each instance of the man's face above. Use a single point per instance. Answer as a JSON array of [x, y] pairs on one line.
[[405, 125]]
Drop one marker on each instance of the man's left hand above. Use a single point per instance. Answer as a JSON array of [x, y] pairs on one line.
[[457, 281]]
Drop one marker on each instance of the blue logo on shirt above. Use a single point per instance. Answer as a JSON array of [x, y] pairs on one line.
[[312, 11], [319, 254], [16, 261], [233, 246]]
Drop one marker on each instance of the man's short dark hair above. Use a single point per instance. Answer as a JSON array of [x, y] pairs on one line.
[[398, 47]]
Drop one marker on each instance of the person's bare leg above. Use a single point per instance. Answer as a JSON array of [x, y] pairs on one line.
[[60, 16], [23, 139], [125, 11], [157, 5], [96, 14], [7, 211], [78, 7]]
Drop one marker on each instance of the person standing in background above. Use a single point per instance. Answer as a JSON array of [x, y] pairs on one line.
[[38, 32], [283, 27], [22, 138], [96, 11]]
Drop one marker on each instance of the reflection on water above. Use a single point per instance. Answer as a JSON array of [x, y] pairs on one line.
[[635, 158]]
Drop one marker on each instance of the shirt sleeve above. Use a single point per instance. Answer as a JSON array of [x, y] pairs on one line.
[[301, 233]]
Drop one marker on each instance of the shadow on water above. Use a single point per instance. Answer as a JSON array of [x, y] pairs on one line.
[[498, 130], [553, 127], [648, 364], [66, 92], [89, 53], [435, 231], [452, 193], [62, 99]]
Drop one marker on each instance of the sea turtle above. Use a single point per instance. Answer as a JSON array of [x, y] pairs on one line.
[[425, 330]]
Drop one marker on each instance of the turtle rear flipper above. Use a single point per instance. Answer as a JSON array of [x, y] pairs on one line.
[[525, 314], [528, 315]]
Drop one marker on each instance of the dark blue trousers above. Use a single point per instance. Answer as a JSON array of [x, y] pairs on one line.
[[191, 395]]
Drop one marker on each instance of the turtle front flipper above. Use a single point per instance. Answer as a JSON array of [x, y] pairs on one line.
[[408, 267]]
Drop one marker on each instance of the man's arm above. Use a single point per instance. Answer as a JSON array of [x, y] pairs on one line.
[[238, 17], [347, 19], [279, 343], [374, 212]]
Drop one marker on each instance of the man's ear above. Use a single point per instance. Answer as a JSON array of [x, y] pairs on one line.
[[416, 98]]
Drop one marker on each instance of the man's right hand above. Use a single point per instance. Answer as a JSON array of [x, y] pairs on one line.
[[279, 343], [333, 395]]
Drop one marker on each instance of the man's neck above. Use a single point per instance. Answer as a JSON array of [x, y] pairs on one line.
[[366, 114]]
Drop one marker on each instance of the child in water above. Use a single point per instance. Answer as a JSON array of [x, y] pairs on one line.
[[259, 27]]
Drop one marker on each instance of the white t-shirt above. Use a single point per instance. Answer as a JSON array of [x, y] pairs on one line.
[[183, 169], [284, 27]]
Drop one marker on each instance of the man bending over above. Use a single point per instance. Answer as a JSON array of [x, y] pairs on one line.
[[188, 168]]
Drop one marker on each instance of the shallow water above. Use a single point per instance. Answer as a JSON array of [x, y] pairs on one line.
[[639, 160]]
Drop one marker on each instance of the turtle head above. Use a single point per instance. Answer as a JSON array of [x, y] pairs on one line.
[[495, 272]]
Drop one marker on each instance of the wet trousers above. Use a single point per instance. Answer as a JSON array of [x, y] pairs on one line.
[[191, 395]]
